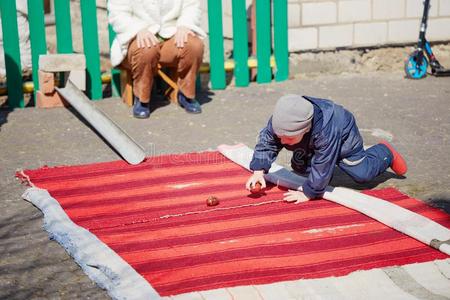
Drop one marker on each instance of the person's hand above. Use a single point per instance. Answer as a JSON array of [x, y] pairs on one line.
[[181, 36], [258, 176], [295, 196], [146, 39]]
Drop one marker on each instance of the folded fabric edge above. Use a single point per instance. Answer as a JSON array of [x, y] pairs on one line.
[[104, 266]]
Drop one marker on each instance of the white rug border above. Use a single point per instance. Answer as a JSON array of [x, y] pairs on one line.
[[104, 266]]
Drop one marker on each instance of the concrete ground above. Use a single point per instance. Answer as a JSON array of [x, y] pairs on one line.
[[414, 115]]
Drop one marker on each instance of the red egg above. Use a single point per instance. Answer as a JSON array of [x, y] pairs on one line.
[[212, 201], [256, 188]]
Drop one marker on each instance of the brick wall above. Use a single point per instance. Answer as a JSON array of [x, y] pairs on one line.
[[330, 24]]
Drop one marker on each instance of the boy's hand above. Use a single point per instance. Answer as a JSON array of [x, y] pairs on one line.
[[296, 196], [258, 176]]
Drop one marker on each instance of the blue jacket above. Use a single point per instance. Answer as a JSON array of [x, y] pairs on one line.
[[333, 136]]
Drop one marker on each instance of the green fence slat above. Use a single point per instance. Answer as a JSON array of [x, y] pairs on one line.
[[64, 43], [240, 43], [11, 48], [37, 36], [216, 47], [263, 44], [91, 48], [115, 82], [63, 26], [280, 32], [115, 73]]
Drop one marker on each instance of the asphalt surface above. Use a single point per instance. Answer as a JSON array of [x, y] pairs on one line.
[[414, 115]]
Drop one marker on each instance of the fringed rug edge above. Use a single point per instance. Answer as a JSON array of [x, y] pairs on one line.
[[98, 261]]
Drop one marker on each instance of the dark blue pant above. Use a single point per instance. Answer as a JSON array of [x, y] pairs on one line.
[[362, 166], [365, 165]]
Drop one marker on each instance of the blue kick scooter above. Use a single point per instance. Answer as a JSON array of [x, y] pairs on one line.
[[417, 63]]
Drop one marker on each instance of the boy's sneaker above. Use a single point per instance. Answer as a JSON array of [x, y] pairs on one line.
[[398, 164], [140, 110]]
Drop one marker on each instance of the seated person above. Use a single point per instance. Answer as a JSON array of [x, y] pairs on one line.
[[150, 32]]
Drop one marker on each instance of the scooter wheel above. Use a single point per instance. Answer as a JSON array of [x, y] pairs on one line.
[[414, 68]]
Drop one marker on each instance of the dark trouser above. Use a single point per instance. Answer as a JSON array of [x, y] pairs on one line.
[[365, 165], [362, 166]]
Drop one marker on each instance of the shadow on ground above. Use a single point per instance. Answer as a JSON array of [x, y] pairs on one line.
[[31, 273], [4, 116], [85, 122], [158, 100], [441, 202]]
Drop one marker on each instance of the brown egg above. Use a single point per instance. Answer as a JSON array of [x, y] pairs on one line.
[[212, 201], [256, 188]]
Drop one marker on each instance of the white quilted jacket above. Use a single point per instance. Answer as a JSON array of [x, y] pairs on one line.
[[128, 17]]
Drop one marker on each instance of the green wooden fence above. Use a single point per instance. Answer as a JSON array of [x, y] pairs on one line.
[[64, 43], [264, 9], [12, 53]]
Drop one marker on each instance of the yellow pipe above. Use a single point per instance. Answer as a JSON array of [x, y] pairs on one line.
[[229, 64], [27, 87], [204, 68], [106, 78]]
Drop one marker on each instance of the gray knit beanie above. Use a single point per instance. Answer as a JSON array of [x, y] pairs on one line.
[[292, 115]]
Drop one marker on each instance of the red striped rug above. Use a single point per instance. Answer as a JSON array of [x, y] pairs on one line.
[[154, 215]]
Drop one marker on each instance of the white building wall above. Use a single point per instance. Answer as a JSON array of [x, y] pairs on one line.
[[328, 24]]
